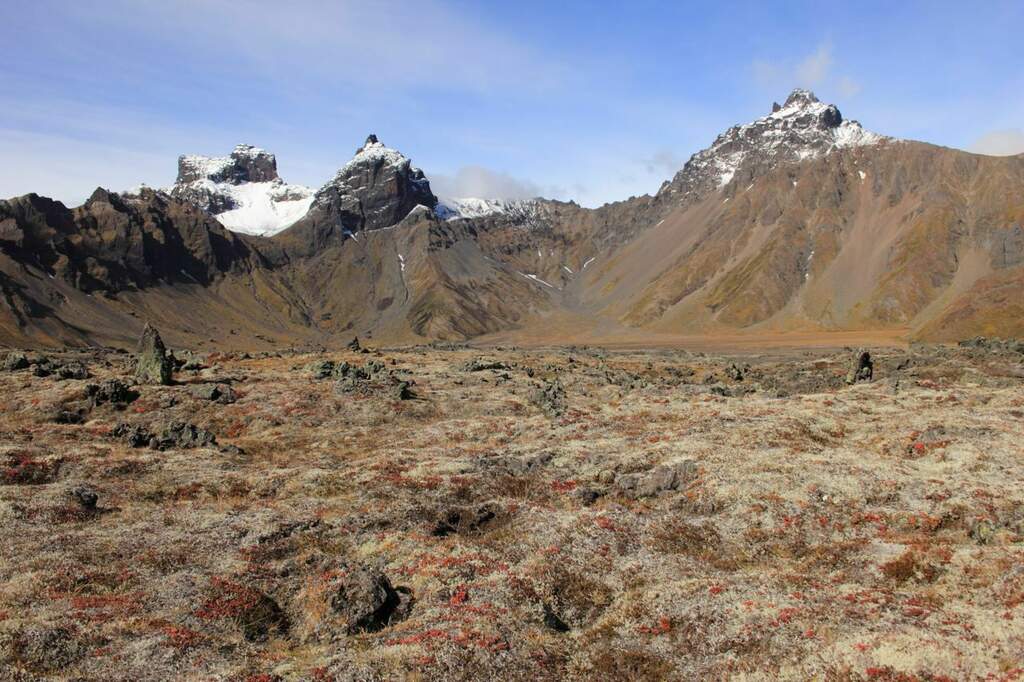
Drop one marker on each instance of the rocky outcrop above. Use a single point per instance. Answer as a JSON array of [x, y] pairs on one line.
[[115, 243], [153, 364]]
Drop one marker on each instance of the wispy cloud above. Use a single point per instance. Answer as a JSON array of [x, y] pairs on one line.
[[814, 70], [1000, 143], [485, 183], [386, 45]]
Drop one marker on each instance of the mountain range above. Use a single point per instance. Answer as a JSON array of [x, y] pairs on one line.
[[800, 221]]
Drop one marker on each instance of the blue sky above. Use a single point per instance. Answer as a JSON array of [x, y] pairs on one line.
[[592, 101]]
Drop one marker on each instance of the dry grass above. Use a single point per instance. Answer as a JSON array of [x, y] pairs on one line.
[[860, 533]]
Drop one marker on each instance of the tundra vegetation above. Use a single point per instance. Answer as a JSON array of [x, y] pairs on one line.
[[446, 512]]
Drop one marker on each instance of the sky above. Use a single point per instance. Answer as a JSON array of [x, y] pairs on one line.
[[588, 101]]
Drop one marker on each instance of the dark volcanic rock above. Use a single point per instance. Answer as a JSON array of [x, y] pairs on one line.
[[660, 479], [802, 128], [153, 364], [220, 393], [549, 397], [366, 601], [182, 435], [110, 391], [113, 243], [15, 360], [135, 436], [378, 188], [862, 368], [72, 370], [246, 164], [84, 495]]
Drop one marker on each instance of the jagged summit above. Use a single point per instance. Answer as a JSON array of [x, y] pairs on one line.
[[243, 190], [246, 163], [801, 129], [377, 188], [801, 97]]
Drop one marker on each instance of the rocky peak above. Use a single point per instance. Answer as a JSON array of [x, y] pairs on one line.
[[243, 190], [246, 163], [801, 97], [377, 188], [803, 128]]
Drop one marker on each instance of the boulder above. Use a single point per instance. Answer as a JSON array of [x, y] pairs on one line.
[[72, 370], [111, 391], [220, 393], [658, 480], [549, 397], [184, 436], [135, 436], [365, 601], [153, 364], [84, 495], [862, 368]]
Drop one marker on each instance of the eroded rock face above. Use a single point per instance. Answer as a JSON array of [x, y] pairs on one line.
[[377, 188], [153, 364], [245, 164]]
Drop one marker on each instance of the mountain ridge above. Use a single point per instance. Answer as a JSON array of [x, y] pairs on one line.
[[800, 219]]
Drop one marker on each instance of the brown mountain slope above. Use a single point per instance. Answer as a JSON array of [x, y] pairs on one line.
[[875, 237], [800, 221]]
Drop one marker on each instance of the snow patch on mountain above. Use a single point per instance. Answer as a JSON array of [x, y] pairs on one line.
[[524, 211], [242, 190], [264, 208]]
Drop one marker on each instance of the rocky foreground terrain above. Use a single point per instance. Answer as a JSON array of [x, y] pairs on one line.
[[444, 512]]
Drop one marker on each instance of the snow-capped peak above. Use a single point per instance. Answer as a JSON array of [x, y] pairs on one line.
[[801, 129], [242, 190], [525, 211], [372, 153], [377, 188]]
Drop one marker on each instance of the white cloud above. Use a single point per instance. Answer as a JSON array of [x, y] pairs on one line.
[[1000, 143], [386, 45], [815, 70], [483, 183], [812, 70]]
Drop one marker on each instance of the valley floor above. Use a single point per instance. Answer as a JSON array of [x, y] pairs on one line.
[[475, 514]]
